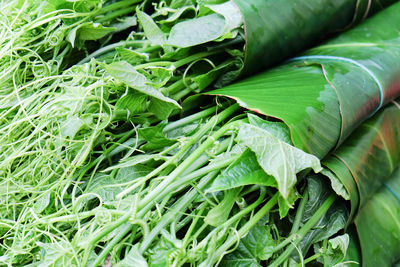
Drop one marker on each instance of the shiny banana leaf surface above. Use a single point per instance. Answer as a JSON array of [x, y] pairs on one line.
[[278, 29], [369, 156], [378, 225], [324, 94]]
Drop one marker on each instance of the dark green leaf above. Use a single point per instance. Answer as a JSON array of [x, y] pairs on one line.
[[279, 29], [371, 153], [326, 81], [257, 245], [378, 225], [244, 171], [220, 213], [333, 220], [155, 137]]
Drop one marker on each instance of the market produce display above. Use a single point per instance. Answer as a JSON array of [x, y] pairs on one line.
[[110, 157]]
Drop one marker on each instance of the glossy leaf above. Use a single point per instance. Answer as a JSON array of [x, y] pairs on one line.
[[279, 29], [371, 153], [378, 225], [244, 171], [325, 94]]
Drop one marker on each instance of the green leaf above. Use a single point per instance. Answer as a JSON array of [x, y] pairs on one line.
[[42, 203], [197, 31], [150, 28], [333, 220], [232, 15], [56, 254], [277, 129], [244, 171], [88, 31], [276, 157], [300, 23], [371, 153], [135, 102], [107, 187], [124, 23], [335, 253], [134, 160], [126, 73], [154, 137], [257, 245], [133, 258], [336, 184], [378, 225], [132, 56], [326, 81], [220, 213], [285, 204]]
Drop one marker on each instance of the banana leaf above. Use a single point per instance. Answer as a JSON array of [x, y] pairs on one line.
[[278, 29], [327, 92], [378, 225], [370, 156], [366, 165]]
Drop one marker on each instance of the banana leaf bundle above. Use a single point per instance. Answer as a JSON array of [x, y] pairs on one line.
[[328, 91]]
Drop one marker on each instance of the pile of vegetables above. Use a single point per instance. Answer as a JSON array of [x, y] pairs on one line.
[[110, 157]]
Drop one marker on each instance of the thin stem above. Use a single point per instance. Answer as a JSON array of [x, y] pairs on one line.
[[304, 230], [299, 213], [179, 206], [309, 259], [242, 232]]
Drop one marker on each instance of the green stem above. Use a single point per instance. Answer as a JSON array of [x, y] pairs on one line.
[[101, 158], [296, 238], [189, 160], [242, 232], [190, 119], [179, 206], [299, 213], [309, 259], [111, 47], [161, 187], [193, 224], [117, 5], [195, 57], [197, 136], [115, 14], [298, 217], [104, 253], [236, 217]]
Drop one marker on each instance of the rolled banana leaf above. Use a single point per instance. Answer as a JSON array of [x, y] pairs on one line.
[[368, 157], [366, 165], [324, 94], [278, 29], [378, 225]]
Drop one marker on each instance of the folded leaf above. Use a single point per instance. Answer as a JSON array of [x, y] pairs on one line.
[[276, 157]]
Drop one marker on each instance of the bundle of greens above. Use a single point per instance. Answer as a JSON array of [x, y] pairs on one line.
[[66, 200]]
